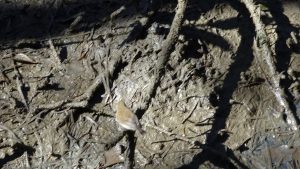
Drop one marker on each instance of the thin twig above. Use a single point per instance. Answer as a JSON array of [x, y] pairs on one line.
[[78, 18], [20, 90], [106, 74], [190, 113], [54, 54], [19, 84], [170, 134]]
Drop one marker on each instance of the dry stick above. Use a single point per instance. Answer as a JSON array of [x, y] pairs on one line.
[[75, 22], [191, 112], [27, 164], [54, 54], [106, 77], [19, 84], [266, 56], [167, 47], [176, 136], [20, 90], [40, 145]]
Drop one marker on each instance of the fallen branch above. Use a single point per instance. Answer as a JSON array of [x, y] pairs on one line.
[[167, 47], [266, 57], [163, 56]]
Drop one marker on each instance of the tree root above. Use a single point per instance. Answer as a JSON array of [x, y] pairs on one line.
[[266, 58], [164, 54]]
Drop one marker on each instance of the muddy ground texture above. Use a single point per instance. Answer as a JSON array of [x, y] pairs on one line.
[[65, 63]]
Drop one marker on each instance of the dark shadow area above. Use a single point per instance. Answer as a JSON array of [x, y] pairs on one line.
[[61, 20], [215, 156], [283, 52], [208, 156], [283, 30], [189, 32], [19, 150], [52, 86], [131, 142], [22, 21], [208, 37], [63, 53], [225, 24], [31, 25], [241, 63]]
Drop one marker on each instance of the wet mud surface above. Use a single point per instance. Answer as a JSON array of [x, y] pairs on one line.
[[66, 63]]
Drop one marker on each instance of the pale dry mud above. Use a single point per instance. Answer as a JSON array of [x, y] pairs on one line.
[[214, 91]]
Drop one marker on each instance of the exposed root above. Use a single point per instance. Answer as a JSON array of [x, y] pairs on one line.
[[266, 58], [163, 56], [167, 47]]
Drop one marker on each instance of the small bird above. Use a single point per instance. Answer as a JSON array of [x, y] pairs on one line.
[[127, 119]]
